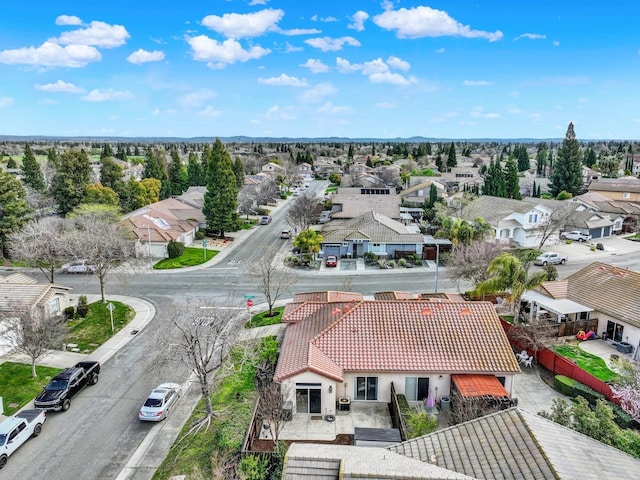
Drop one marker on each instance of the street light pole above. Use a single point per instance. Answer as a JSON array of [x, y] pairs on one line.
[[437, 264]]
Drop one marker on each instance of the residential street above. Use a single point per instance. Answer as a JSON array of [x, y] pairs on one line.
[[97, 436]]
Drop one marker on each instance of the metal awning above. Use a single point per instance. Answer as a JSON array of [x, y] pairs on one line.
[[559, 306]]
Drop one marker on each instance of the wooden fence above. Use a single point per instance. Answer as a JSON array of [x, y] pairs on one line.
[[560, 365], [397, 420]]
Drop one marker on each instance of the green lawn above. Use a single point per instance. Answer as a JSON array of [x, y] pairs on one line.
[[261, 320], [247, 223], [330, 189], [593, 364], [190, 257], [18, 387], [95, 329]]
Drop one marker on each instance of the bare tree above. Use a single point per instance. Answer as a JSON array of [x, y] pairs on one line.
[[271, 408], [302, 211], [553, 223], [267, 192], [101, 243], [273, 280], [30, 332], [203, 338], [40, 244], [247, 200], [534, 335], [470, 262]]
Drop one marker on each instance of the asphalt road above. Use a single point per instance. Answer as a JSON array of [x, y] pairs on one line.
[[96, 437]]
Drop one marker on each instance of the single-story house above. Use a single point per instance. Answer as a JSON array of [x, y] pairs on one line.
[[355, 349], [370, 232], [20, 291], [514, 443], [603, 294], [418, 194], [624, 214], [272, 168], [598, 225], [157, 224]]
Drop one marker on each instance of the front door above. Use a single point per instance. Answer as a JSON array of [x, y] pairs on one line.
[[423, 388]]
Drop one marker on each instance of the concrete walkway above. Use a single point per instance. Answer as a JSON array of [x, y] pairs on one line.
[[532, 393]]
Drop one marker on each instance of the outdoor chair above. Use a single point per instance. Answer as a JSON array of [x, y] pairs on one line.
[[529, 362], [522, 356]]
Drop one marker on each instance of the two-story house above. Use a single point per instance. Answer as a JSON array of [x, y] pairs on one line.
[[624, 189]]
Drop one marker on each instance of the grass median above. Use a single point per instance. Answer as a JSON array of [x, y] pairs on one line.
[[18, 387], [90, 332], [190, 257]]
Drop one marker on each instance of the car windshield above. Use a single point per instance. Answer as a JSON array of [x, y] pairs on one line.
[[153, 402], [57, 384]]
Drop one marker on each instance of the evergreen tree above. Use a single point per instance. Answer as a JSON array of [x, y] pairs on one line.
[[512, 183], [438, 162], [69, 184], [373, 149], [567, 171], [52, 158], [106, 151], [178, 178], [541, 159], [451, 157], [521, 155], [14, 210], [31, 171], [350, 152], [433, 195], [110, 173], [155, 167], [221, 199], [488, 187], [11, 163], [238, 171], [195, 171], [590, 158]]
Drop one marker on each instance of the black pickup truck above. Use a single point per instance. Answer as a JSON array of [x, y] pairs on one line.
[[57, 394]]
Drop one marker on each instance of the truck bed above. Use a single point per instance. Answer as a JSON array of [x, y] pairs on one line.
[[29, 415]]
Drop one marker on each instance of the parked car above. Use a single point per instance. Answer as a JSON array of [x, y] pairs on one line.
[[159, 402], [551, 258], [285, 234], [66, 384], [78, 267], [266, 220], [16, 430], [331, 261], [576, 235]]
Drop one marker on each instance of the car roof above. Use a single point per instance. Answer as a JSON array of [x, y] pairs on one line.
[[161, 390], [9, 424]]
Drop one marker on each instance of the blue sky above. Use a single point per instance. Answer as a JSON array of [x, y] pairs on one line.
[[304, 68]]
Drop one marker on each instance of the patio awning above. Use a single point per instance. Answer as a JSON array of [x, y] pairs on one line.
[[479, 386], [559, 306]]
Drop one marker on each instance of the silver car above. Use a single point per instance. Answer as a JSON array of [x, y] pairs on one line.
[[159, 402]]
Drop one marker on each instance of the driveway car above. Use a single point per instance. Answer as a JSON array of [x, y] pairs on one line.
[[78, 267], [159, 402], [576, 235], [331, 261], [285, 234], [550, 258], [266, 220]]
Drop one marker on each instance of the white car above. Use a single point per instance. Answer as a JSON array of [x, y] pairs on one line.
[[576, 235], [78, 267], [159, 402]]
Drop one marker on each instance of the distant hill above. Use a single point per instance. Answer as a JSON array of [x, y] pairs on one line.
[[245, 139]]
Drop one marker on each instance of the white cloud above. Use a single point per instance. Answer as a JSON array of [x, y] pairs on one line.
[[210, 112], [328, 44], [330, 108], [386, 105], [475, 83], [52, 55], [108, 95], [530, 36], [422, 22], [144, 56], [258, 2], [59, 86], [315, 18], [315, 65], [344, 66], [439, 50], [291, 48], [299, 31], [97, 34], [68, 20], [478, 112], [535, 117], [237, 25], [196, 98], [220, 54], [283, 79], [285, 113], [6, 102], [556, 43], [357, 21], [392, 78], [317, 93], [398, 63]]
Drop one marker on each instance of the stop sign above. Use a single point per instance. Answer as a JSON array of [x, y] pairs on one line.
[[249, 303]]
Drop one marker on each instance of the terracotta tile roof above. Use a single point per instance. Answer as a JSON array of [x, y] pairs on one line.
[[515, 444], [392, 336], [326, 296], [608, 289], [393, 296], [479, 386]]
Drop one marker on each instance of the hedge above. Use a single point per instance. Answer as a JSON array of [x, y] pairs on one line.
[[566, 385]]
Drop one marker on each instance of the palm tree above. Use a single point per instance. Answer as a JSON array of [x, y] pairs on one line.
[[507, 273], [309, 241]]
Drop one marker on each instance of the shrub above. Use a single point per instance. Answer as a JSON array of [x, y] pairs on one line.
[[175, 249], [69, 313], [622, 418], [83, 307], [417, 263], [199, 235], [370, 257], [419, 424], [382, 263], [587, 393], [566, 385], [402, 262], [392, 264], [254, 467], [292, 261]]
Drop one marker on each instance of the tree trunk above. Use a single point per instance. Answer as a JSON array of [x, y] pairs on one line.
[[34, 374]]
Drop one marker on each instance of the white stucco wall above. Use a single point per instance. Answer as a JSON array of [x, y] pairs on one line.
[[630, 333]]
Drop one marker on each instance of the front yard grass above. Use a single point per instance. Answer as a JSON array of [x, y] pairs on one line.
[[233, 399], [17, 385], [190, 257], [262, 320], [593, 364], [330, 189], [93, 330]]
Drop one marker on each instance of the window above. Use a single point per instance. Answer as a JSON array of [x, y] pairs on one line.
[[366, 388], [533, 218], [54, 306], [626, 195], [416, 389], [308, 398]]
